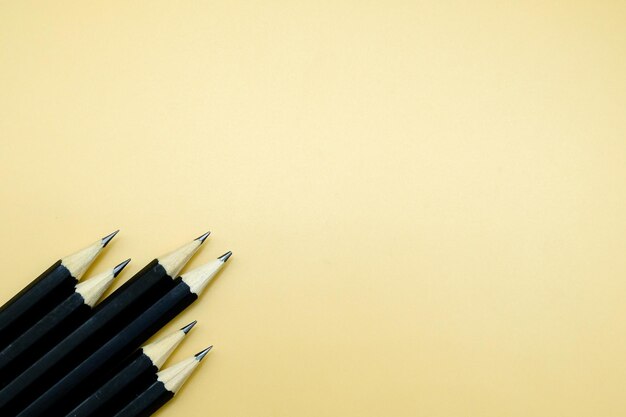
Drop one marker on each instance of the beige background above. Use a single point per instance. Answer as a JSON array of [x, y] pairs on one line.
[[426, 200]]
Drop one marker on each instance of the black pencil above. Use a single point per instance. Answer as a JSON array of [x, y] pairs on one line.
[[57, 324], [168, 383], [138, 373], [110, 316], [57, 399], [46, 291]]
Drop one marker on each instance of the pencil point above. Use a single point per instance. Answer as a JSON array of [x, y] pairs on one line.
[[203, 237], [118, 268], [107, 239], [189, 326], [225, 256], [201, 355]]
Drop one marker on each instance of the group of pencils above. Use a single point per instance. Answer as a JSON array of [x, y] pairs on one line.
[[63, 353]]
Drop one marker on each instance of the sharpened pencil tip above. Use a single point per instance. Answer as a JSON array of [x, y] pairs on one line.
[[118, 268], [189, 326], [107, 239], [201, 355], [203, 237], [225, 256]]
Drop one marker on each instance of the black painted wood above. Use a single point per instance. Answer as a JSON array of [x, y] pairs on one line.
[[148, 402], [34, 301], [136, 375], [76, 384], [42, 336], [109, 317]]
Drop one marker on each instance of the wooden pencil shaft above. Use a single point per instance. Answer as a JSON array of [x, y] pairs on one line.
[[34, 301], [148, 402], [108, 318], [153, 283], [76, 385], [147, 285], [133, 378], [169, 382], [46, 291], [42, 336]]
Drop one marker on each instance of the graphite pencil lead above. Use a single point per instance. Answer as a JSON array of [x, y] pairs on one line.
[[118, 268], [108, 238], [225, 256], [200, 355], [189, 326], [202, 238]]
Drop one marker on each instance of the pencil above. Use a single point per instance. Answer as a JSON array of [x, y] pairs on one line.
[[46, 291], [108, 318], [57, 324], [154, 280], [138, 373], [168, 383], [59, 397]]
